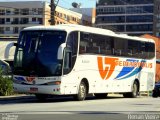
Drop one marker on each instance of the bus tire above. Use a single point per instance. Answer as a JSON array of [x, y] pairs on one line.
[[101, 95], [154, 94], [41, 97], [134, 92], [82, 92], [126, 95]]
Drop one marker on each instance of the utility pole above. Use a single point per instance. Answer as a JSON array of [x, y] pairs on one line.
[[52, 12], [53, 6]]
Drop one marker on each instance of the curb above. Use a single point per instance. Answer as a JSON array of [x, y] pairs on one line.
[[16, 97]]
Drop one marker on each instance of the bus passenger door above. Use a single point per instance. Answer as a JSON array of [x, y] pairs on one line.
[[70, 55]]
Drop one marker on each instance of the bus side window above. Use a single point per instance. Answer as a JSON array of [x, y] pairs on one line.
[[120, 46], [82, 49], [118, 52], [129, 52], [150, 48], [132, 49], [84, 43]]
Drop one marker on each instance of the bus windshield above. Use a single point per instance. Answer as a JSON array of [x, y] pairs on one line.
[[36, 53]]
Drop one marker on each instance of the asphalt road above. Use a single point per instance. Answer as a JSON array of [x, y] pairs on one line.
[[113, 107]]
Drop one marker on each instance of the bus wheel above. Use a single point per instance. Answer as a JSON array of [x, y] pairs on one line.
[[101, 95], [155, 94], [134, 92], [81, 92], [41, 97]]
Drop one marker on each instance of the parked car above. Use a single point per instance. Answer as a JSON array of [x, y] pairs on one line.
[[156, 90]]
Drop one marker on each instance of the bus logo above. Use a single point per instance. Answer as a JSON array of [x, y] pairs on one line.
[[106, 66], [130, 67], [30, 79]]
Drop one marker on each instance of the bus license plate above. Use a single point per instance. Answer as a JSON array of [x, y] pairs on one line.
[[33, 89]]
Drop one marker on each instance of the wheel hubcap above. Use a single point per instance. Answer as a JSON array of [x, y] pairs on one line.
[[135, 90], [82, 91]]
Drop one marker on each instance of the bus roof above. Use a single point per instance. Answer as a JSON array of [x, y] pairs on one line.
[[73, 27]]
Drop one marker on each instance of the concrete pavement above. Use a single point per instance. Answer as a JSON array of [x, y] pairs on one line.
[[29, 96]]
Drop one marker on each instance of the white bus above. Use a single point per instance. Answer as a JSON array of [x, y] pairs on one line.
[[78, 60]]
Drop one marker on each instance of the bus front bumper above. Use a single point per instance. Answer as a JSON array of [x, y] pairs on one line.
[[40, 89]]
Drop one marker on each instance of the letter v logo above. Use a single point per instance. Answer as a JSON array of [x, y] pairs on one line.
[[106, 72]]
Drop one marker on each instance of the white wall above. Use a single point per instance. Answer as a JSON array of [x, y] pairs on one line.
[[3, 45]]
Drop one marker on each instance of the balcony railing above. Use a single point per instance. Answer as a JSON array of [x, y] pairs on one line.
[[21, 13], [26, 22]]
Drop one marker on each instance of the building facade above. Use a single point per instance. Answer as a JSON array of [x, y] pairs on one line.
[[156, 25], [66, 16], [133, 17], [14, 16], [88, 15]]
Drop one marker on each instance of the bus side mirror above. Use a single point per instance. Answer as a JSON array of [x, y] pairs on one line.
[[7, 49], [60, 51]]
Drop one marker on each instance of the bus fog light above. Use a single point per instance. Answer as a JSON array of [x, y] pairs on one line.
[[54, 83]]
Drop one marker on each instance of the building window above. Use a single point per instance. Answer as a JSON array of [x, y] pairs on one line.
[[40, 11], [15, 30], [2, 12], [7, 19], [72, 18], [24, 20], [65, 16], [60, 14], [25, 11], [2, 21], [34, 19], [57, 13], [1, 30], [139, 18], [15, 21], [8, 11], [40, 20], [68, 18], [34, 11], [16, 11], [7, 28], [140, 27]]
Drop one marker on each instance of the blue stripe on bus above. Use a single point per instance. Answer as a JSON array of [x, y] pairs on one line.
[[126, 70], [20, 78], [136, 71]]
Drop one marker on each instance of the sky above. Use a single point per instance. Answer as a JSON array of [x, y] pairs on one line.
[[67, 3], [85, 3]]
